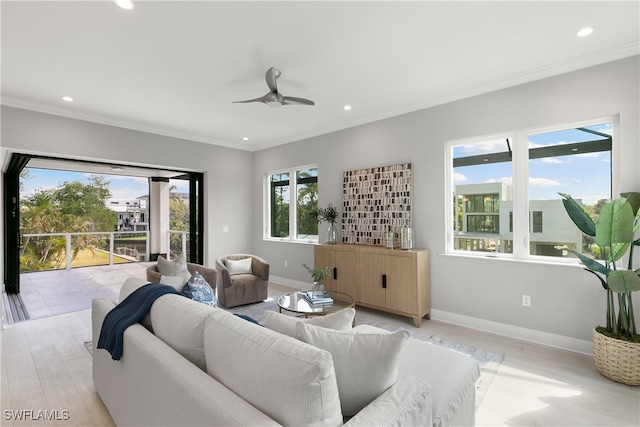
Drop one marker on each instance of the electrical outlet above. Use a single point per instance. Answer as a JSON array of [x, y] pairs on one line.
[[526, 300], [286, 263]]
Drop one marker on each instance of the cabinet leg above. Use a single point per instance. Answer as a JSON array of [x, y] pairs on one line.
[[417, 320]]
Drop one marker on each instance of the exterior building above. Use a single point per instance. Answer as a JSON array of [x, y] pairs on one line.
[[484, 223], [133, 214]]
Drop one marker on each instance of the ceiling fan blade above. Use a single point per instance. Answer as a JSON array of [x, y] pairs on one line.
[[291, 100], [271, 76], [275, 98], [269, 97]]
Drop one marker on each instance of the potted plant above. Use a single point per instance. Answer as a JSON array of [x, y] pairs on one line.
[[616, 346], [318, 274], [330, 215]]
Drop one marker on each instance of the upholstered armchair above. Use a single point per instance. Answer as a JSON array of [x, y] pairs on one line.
[[209, 274], [241, 279]]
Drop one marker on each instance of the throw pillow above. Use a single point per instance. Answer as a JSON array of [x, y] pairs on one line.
[[176, 282], [172, 268], [200, 290], [240, 266], [366, 364], [341, 320], [290, 381]]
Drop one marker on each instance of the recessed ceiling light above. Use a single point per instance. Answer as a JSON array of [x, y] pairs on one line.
[[584, 32], [245, 138], [125, 4], [117, 169], [347, 107], [67, 98]]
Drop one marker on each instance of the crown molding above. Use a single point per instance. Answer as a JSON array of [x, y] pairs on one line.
[[511, 80], [15, 102]]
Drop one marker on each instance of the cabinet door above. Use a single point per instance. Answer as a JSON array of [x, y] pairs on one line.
[[326, 258], [344, 276], [346, 273], [401, 288], [371, 290]]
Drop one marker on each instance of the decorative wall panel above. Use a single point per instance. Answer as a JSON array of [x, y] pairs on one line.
[[374, 201]]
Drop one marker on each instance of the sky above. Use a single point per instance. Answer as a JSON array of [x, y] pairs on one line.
[[583, 176], [121, 187]]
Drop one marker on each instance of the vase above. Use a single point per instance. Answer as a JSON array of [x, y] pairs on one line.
[[616, 359], [332, 234], [318, 289]]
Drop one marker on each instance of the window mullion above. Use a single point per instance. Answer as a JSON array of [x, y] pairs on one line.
[[520, 196], [293, 204]]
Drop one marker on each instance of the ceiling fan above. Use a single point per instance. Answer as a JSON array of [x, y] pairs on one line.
[[273, 98]]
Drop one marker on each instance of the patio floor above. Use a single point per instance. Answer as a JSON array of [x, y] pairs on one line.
[[49, 293]]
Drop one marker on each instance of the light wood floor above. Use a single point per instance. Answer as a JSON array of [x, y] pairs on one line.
[[45, 366]]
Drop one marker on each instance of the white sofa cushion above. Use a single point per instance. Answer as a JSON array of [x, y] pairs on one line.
[[130, 284], [179, 322], [454, 400], [406, 403], [292, 382], [177, 282], [340, 320], [365, 364]]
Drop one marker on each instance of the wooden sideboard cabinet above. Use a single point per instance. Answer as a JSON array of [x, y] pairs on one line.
[[392, 280]]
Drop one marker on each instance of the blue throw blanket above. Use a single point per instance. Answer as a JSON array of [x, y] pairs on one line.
[[128, 312]]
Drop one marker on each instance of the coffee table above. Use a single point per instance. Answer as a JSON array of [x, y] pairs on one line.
[[295, 302]]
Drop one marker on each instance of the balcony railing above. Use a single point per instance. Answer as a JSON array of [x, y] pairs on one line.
[[56, 251]]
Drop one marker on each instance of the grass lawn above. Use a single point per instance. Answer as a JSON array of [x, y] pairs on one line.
[[88, 258]]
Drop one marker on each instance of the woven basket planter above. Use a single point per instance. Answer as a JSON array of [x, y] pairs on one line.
[[616, 359]]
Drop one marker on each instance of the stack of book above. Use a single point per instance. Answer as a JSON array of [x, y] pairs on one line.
[[318, 299]]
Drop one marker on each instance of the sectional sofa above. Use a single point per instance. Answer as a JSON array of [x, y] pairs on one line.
[[187, 363]]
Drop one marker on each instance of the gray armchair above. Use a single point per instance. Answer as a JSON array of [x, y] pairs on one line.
[[235, 288]]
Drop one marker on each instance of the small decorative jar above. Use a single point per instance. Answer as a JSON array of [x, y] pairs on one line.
[[318, 289], [389, 238]]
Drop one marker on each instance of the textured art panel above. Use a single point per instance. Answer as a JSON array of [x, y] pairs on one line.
[[374, 201]]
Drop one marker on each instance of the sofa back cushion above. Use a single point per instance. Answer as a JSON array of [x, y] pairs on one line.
[[179, 322], [366, 364], [290, 381], [341, 320]]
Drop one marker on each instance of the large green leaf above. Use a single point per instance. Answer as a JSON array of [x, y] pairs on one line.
[[615, 224], [618, 251], [621, 281], [591, 264], [633, 198], [578, 215]]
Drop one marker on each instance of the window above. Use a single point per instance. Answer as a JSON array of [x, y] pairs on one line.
[[505, 189], [536, 221], [297, 221]]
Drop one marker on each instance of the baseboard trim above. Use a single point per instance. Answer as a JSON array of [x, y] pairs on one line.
[[516, 332], [289, 282]]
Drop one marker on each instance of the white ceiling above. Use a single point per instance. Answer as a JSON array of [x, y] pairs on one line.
[[174, 67]]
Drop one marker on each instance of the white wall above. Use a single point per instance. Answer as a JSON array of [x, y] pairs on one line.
[[485, 293], [227, 172]]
